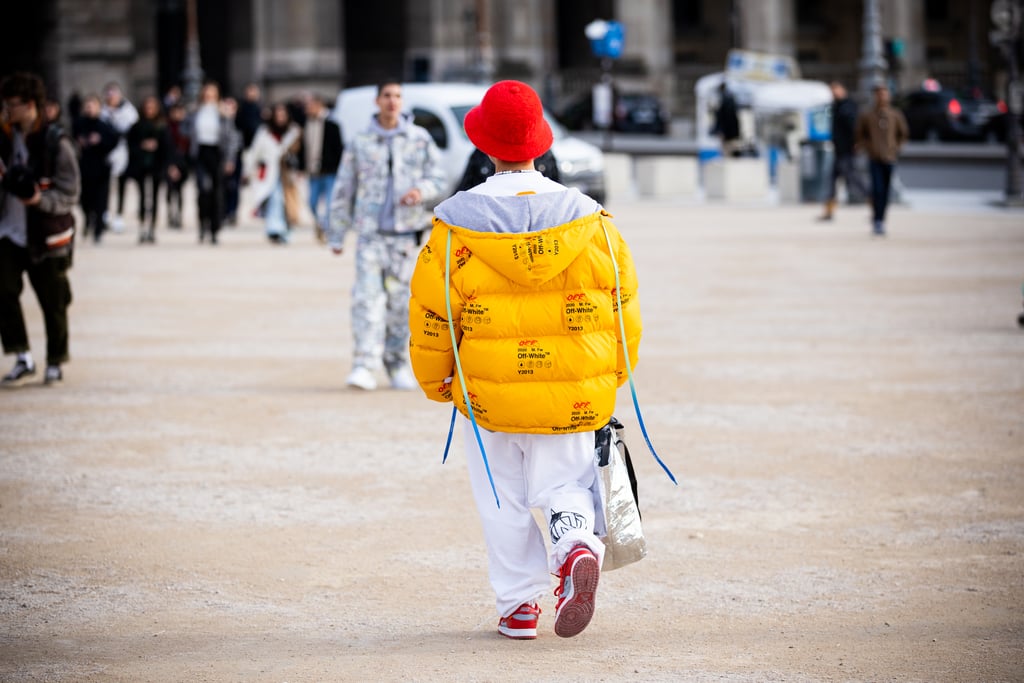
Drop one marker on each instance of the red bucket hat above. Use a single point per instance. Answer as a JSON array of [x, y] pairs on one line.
[[509, 123]]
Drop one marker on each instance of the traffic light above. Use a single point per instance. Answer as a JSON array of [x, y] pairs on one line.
[[894, 54]]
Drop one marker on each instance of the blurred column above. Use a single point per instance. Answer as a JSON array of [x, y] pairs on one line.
[[297, 47], [768, 26], [192, 77], [873, 66], [905, 21], [1007, 18]]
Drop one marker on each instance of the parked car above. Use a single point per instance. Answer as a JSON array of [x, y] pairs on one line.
[[935, 113], [441, 107], [634, 112]]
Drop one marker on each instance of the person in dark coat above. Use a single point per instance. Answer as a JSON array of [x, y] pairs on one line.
[[148, 144], [844, 121], [320, 157], [727, 122], [480, 167], [96, 139], [177, 162], [252, 113]]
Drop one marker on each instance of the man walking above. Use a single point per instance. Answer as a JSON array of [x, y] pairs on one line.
[[214, 142], [541, 294], [39, 185], [386, 175], [321, 155], [122, 115], [881, 132], [844, 120]]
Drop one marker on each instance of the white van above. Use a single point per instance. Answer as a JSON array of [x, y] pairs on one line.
[[440, 108]]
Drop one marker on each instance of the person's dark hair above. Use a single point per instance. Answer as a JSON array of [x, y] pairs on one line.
[[386, 82], [26, 86], [275, 127]]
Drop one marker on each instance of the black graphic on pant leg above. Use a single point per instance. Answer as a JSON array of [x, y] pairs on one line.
[[564, 521]]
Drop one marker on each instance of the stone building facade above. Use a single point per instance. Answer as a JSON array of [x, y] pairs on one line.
[[322, 45]]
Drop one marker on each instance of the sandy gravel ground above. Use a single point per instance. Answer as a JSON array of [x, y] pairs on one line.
[[203, 500]]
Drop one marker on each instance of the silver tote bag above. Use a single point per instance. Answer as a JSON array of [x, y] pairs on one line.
[[619, 527]]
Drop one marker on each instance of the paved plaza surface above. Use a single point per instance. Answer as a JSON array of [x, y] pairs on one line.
[[203, 500]]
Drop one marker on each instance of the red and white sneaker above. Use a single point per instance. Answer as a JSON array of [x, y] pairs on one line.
[[579, 573], [521, 624]]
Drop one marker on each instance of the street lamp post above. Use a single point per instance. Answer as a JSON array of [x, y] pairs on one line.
[[606, 40], [872, 62], [193, 73]]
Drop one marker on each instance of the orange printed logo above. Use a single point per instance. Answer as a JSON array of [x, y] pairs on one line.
[[462, 251], [580, 405], [527, 342], [576, 297]]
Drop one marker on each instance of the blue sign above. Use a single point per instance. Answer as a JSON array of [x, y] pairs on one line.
[[819, 124], [611, 43]]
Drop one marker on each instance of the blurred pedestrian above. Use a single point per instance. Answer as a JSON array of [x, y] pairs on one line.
[[386, 175], [727, 122], [74, 106], [172, 97], [480, 167], [122, 115], [881, 132], [39, 185], [53, 112], [177, 162], [233, 180], [322, 148], [844, 121], [214, 145], [251, 114], [148, 144], [520, 246], [96, 139], [268, 171]]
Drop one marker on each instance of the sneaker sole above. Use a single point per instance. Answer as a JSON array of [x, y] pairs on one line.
[[577, 611], [518, 633], [20, 381]]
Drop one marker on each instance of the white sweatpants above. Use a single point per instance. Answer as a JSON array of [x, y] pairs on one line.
[[554, 473]]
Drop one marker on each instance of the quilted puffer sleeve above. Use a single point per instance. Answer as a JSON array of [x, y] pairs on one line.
[[430, 342]]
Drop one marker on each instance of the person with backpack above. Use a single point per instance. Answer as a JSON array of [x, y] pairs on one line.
[[39, 185]]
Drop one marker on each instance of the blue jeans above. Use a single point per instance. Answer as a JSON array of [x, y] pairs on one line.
[[881, 176], [273, 213], [320, 186]]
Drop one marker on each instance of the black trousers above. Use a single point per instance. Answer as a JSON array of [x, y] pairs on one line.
[[94, 198], [210, 186], [49, 279], [149, 189]]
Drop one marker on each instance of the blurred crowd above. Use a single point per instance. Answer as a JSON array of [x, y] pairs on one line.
[[221, 143]]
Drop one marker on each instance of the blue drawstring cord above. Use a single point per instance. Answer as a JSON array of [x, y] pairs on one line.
[[458, 368], [451, 430], [462, 379], [625, 353]]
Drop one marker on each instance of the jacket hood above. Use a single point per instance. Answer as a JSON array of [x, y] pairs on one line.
[[528, 238], [404, 121]]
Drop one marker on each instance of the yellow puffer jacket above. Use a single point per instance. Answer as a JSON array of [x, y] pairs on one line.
[[536, 321]]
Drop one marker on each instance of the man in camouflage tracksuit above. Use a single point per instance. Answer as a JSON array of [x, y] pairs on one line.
[[385, 177]]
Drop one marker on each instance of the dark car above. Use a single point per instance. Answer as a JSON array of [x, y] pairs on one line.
[[941, 114], [633, 113]]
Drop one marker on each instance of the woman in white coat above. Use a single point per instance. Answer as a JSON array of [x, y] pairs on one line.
[[266, 169]]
